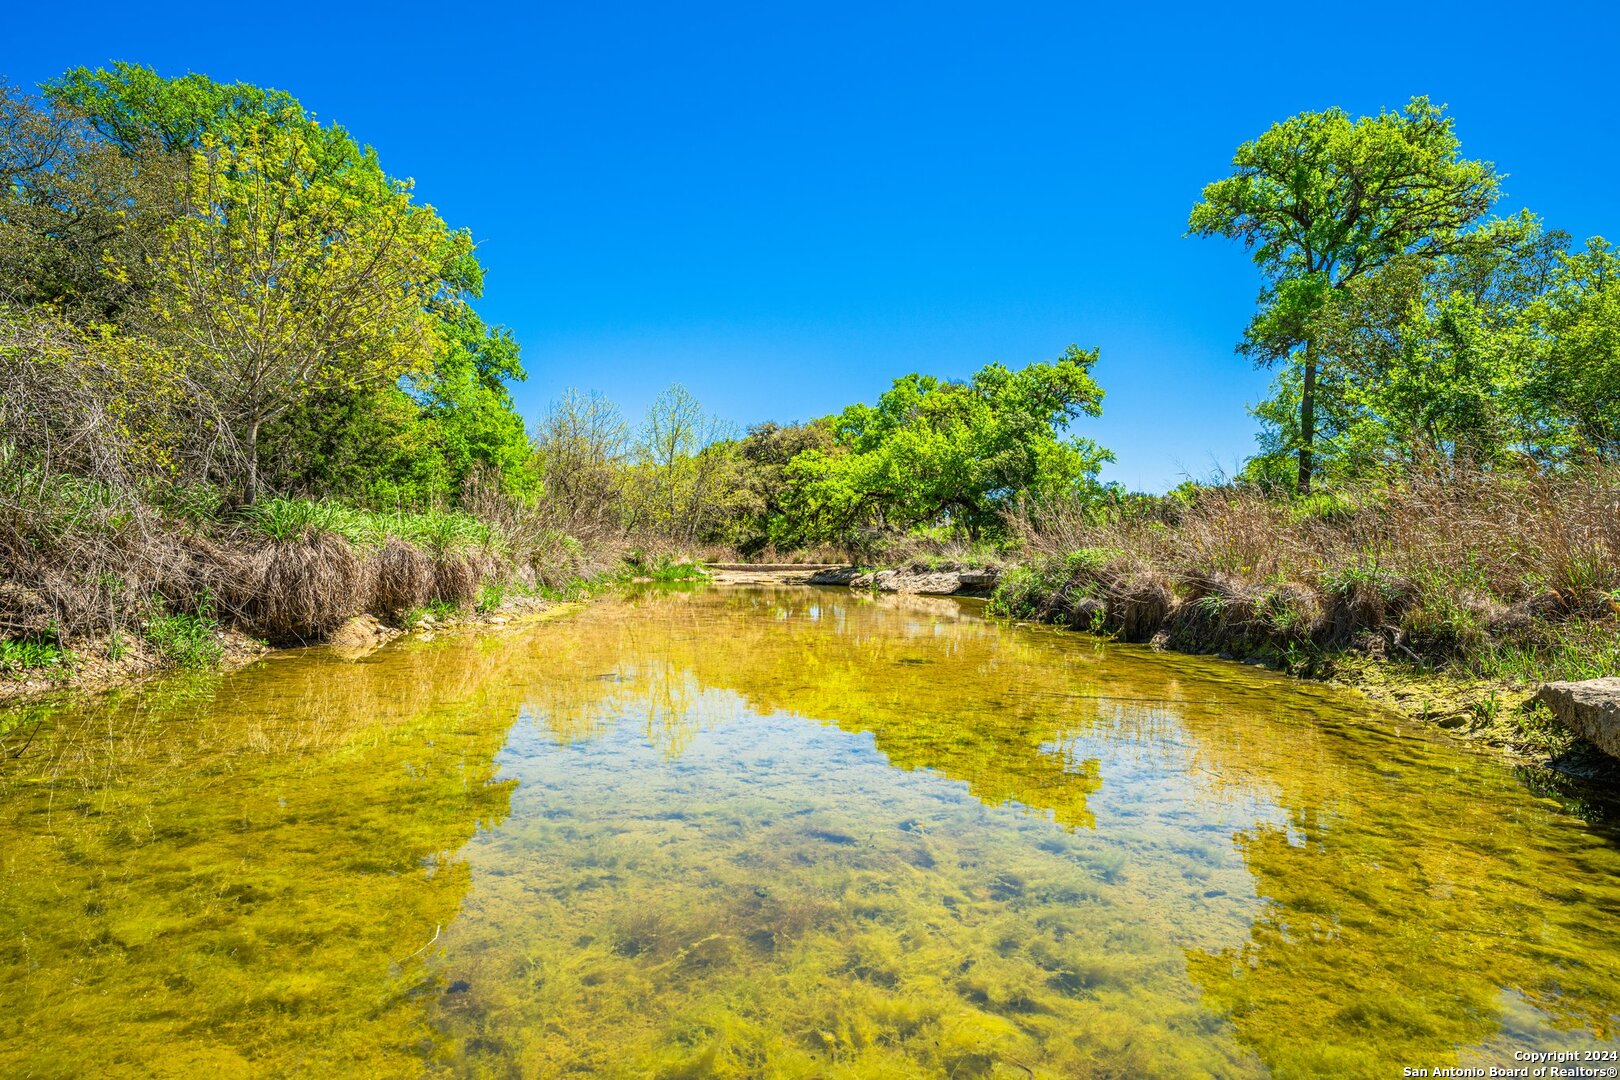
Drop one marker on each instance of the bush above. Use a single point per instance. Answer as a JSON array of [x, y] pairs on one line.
[[402, 579], [304, 589], [1447, 565]]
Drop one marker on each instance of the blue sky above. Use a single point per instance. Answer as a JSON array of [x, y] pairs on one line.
[[785, 206]]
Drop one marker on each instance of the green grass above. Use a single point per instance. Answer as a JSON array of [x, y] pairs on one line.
[[440, 610], [491, 596], [1023, 590], [438, 532], [198, 504], [285, 520], [664, 568], [187, 639], [41, 653], [1575, 650]]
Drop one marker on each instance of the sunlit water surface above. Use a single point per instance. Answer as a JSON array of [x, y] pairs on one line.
[[789, 833]]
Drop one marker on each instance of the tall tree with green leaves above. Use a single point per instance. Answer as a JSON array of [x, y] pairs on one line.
[[281, 279], [1576, 382], [145, 114], [68, 202], [956, 454], [1322, 200]]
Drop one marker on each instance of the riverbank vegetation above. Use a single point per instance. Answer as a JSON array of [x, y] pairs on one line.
[[245, 380], [1438, 481], [246, 384]]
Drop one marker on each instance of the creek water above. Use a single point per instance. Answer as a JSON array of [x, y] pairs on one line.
[[781, 832]]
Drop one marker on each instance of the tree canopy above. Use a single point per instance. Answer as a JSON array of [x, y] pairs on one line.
[[934, 452], [295, 291], [1321, 200]]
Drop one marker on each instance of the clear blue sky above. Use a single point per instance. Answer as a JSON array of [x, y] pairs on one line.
[[784, 206]]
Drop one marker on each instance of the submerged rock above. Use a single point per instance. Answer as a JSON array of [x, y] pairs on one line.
[[360, 632], [1590, 709]]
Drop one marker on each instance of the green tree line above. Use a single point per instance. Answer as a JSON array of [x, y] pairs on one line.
[[239, 297], [205, 289], [1403, 322]]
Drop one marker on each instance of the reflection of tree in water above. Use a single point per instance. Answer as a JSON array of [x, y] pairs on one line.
[[254, 867], [225, 871], [934, 687], [1413, 893], [1399, 898]]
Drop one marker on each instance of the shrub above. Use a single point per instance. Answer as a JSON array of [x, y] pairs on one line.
[[402, 579], [305, 588]]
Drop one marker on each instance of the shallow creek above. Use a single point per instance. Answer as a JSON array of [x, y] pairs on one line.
[[780, 832]]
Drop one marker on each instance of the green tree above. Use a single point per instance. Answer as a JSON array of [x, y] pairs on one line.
[[580, 447], [147, 115], [678, 471], [68, 201], [759, 508], [281, 279], [1576, 382], [1322, 200], [1432, 358], [933, 452]]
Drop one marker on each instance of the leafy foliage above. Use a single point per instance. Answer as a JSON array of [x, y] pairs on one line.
[[1321, 200], [932, 451]]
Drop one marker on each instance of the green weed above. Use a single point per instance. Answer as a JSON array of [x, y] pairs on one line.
[[285, 520], [491, 596], [38, 653], [664, 568], [187, 639]]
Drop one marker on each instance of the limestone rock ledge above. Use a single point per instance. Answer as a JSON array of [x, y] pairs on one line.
[[913, 580], [1590, 709]]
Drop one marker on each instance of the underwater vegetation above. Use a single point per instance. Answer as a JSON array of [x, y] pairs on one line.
[[781, 833]]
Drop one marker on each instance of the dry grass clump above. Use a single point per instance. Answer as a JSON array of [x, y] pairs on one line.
[[1440, 564], [78, 558], [457, 579], [305, 588], [402, 579]]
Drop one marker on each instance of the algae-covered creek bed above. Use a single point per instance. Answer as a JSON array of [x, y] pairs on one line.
[[780, 832]]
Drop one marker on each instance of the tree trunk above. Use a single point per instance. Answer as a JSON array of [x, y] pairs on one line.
[[253, 463], [1307, 418]]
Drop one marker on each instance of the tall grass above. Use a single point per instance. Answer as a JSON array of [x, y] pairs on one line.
[[439, 532], [1488, 570]]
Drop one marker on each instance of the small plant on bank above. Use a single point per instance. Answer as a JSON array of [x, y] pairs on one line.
[[1536, 729], [1021, 593], [1488, 708], [663, 568], [187, 639], [669, 570], [491, 596], [38, 654], [440, 611]]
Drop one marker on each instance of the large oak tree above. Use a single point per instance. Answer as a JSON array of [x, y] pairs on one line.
[[1321, 200]]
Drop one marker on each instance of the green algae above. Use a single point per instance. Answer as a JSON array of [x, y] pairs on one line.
[[782, 833]]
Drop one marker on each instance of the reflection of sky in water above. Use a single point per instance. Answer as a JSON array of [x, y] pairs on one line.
[[783, 833]]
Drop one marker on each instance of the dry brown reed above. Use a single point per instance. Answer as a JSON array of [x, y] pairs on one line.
[[457, 578], [402, 579], [306, 588], [1439, 562]]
